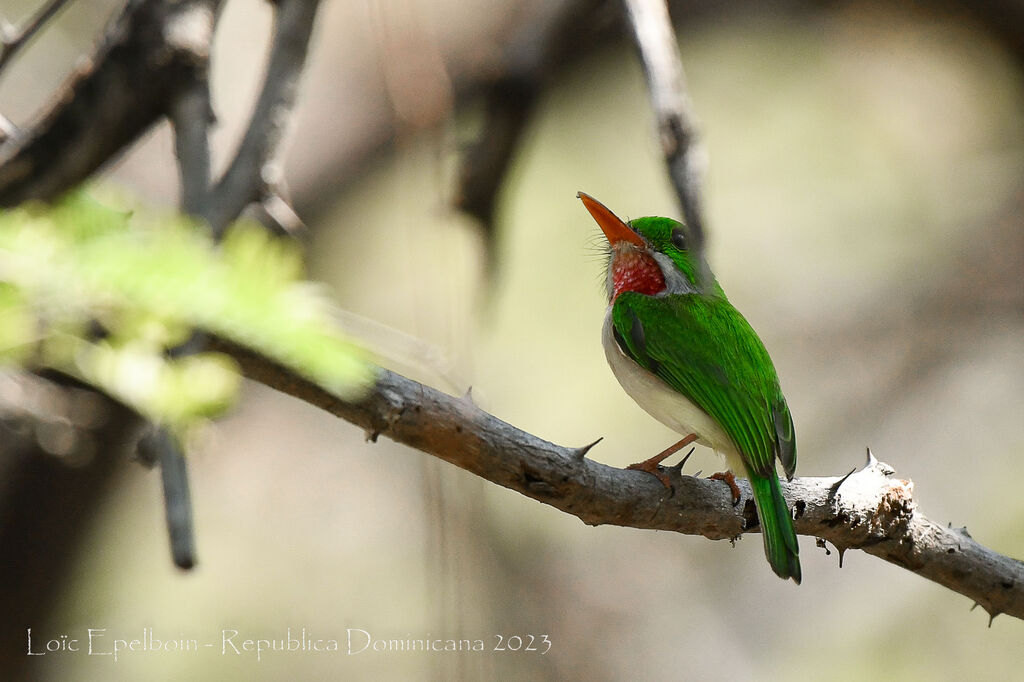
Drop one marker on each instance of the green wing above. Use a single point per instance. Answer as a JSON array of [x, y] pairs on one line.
[[704, 348]]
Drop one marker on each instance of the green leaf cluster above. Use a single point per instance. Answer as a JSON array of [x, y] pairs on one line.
[[103, 294]]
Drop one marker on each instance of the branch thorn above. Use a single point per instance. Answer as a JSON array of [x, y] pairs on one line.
[[581, 452], [834, 488], [7, 129], [678, 468], [279, 214]]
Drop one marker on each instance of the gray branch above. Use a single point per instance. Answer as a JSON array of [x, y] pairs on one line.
[[659, 53], [191, 114], [12, 41], [254, 168], [244, 182], [151, 50], [867, 510]]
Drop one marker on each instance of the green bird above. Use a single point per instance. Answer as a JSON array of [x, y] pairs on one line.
[[683, 352]]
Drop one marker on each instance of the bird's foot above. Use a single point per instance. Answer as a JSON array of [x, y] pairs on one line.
[[651, 465], [730, 481]]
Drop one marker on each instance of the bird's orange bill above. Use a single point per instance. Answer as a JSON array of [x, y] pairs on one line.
[[614, 229]]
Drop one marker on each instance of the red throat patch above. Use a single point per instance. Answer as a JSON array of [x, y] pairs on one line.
[[635, 270]]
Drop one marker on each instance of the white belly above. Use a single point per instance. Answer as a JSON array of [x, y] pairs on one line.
[[665, 404]]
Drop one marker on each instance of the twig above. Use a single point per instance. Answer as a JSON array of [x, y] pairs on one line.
[[191, 114], [158, 446], [869, 511], [677, 128], [253, 167], [10, 44], [150, 51], [177, 502], [7, 129], [244, 182]]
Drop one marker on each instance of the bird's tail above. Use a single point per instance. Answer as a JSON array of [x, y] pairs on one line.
[[780, 544]]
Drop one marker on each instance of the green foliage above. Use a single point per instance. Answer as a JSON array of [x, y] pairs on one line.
[[102, 295]]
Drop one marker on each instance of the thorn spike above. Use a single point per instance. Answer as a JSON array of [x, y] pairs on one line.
[[834, 490], [678, 468], [581, 452]]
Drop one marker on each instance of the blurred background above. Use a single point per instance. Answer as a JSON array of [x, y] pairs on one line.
[[865, 209]]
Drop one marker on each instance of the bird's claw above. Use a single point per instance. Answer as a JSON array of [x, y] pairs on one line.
[[653, 469], [729, 480]]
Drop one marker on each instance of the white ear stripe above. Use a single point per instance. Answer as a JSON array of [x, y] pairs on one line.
[[675, 280]]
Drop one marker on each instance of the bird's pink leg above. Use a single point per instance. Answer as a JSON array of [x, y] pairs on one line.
[[651, 465], [730, 481]]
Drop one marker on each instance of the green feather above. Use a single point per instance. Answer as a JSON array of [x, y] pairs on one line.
[[780, 546], [702, 347]]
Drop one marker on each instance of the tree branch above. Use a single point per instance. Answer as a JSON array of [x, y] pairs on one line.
[[150, 50], [253, 168], [11, 42], [659, 53], [245, 181], [865, 510], [509, 100], [191, 113]]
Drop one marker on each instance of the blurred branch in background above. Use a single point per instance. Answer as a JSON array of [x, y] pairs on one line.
[[13, 39], [863, 510], [151, 51], [674, 116], [253, 175], [532, 55], [255, 172]]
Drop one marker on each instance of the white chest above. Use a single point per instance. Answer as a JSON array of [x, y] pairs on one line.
[[660, 401]]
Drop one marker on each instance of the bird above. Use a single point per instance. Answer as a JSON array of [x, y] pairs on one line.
[[691, 360]]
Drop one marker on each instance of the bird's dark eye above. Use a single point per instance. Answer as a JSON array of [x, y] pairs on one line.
[[679, 238]]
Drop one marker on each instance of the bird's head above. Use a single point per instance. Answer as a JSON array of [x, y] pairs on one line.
[[646, 255]]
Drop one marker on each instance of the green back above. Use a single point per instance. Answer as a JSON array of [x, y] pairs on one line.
[[701, 346]]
